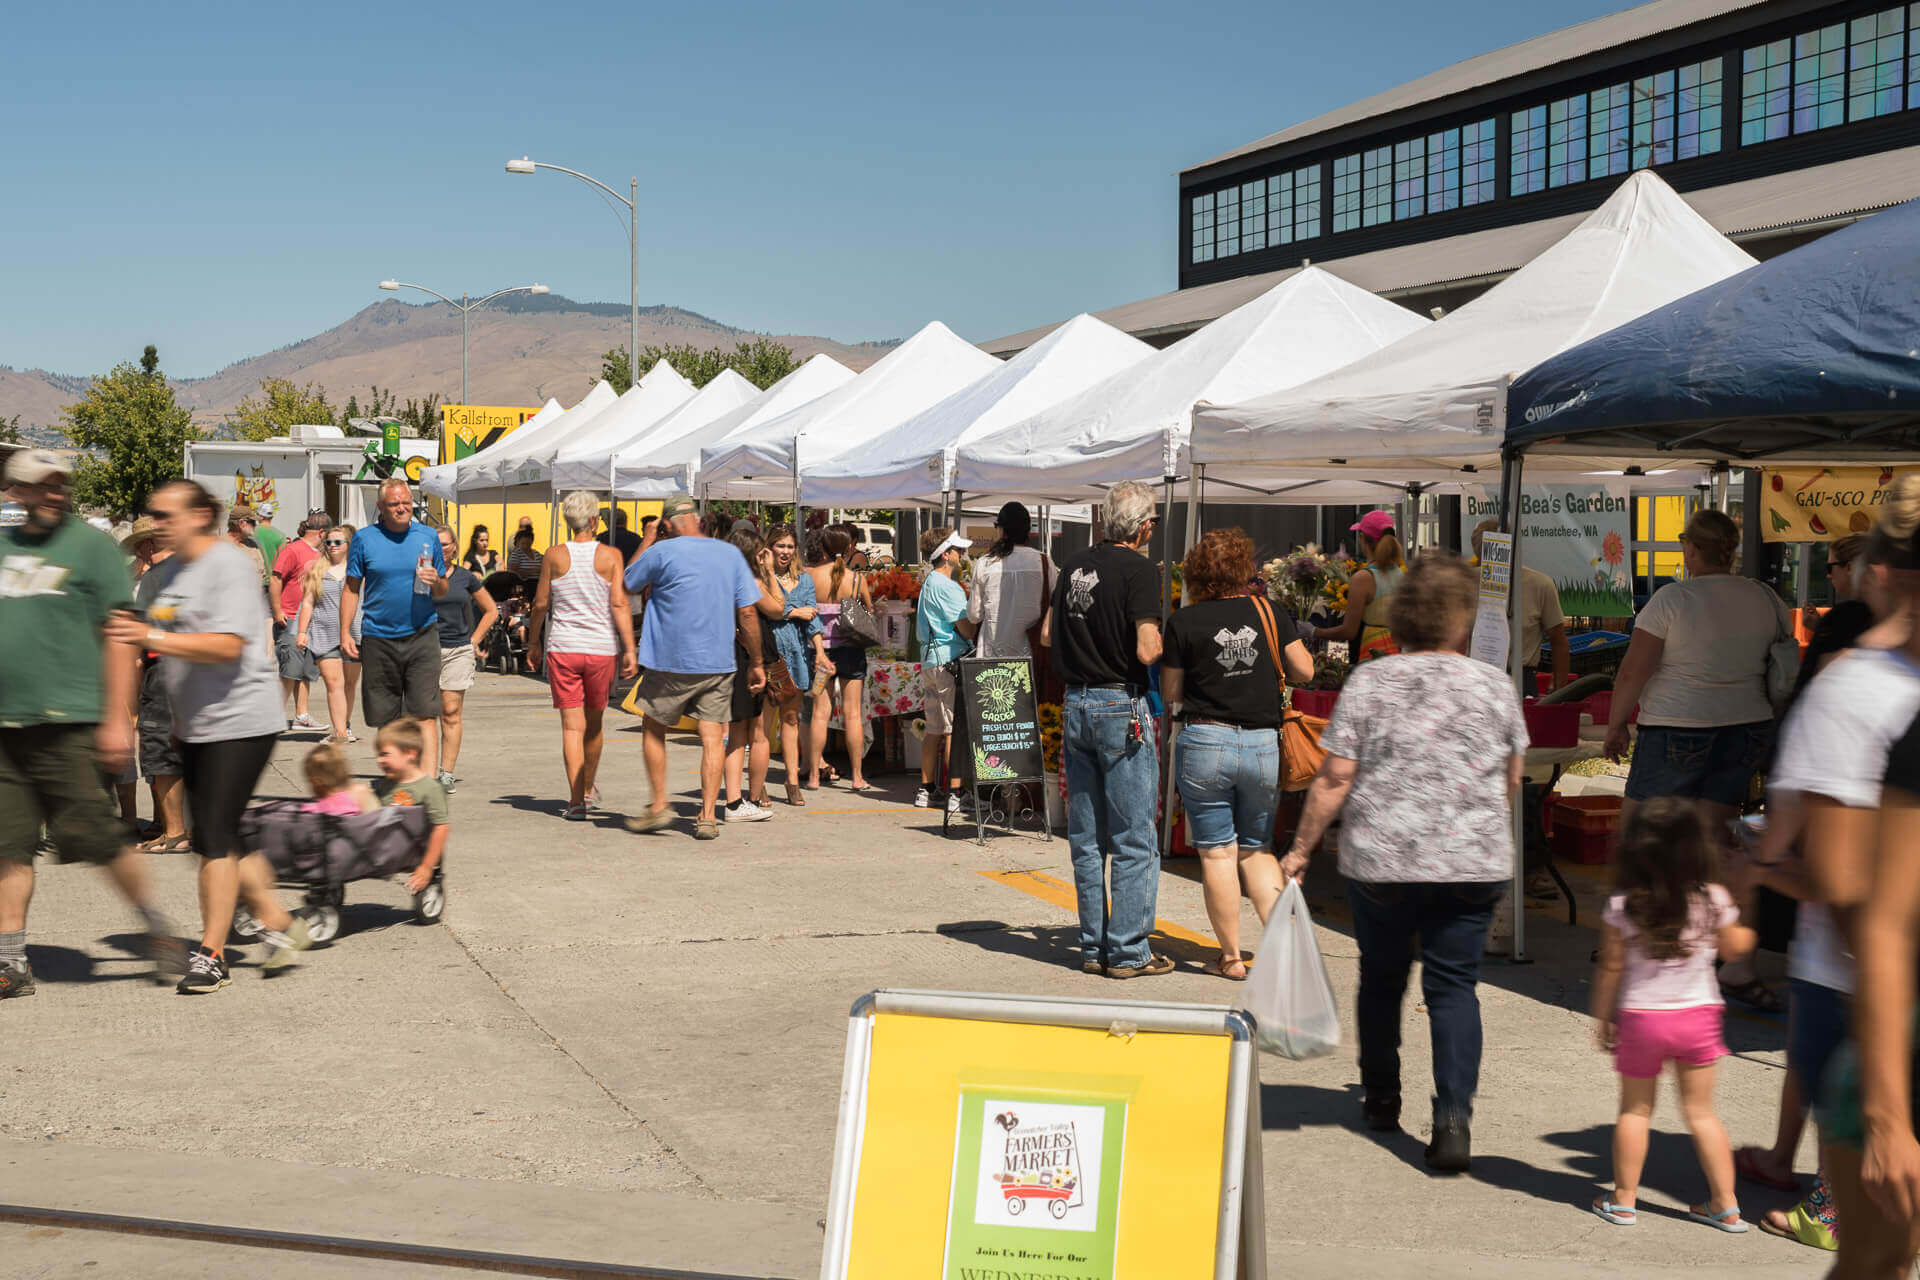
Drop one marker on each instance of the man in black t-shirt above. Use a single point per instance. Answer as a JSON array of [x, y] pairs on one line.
[[1104, 627], [620, 538]]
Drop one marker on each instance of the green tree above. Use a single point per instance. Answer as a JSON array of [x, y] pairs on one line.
[[762, 362], [281, 407], [133, 433], [10, 430], [423, 416]]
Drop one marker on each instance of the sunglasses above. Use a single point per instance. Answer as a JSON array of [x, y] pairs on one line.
[[336, 542]]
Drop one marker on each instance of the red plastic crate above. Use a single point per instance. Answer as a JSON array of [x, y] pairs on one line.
[[1584, 828], [1315, 702], [1554, 725], [1600, 706]]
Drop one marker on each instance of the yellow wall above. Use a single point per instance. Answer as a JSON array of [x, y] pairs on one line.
[[502, 521], [1659, 520]]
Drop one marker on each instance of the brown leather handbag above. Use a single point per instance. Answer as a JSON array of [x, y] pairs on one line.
[[780, 685], [1300, 749]]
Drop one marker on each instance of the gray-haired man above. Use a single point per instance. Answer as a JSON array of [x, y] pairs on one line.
[[1104, 627]]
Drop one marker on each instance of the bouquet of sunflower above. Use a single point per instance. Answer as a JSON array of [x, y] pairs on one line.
[[1307, 581], [1052, 735]]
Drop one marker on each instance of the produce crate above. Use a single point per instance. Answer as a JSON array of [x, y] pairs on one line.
[[1314, 702], [1584, 827], [1553, 725]]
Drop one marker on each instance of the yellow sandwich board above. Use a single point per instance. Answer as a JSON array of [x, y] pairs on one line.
[[986, 1136]]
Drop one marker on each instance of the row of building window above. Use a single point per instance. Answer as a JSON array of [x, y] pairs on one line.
[[1846, 71]]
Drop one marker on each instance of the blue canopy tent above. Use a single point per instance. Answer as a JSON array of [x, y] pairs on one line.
[[1813, 356]]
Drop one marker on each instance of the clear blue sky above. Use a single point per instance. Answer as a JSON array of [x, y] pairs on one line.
[[226, 178]]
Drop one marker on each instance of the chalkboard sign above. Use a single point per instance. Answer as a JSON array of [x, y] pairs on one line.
[[1002, 736]]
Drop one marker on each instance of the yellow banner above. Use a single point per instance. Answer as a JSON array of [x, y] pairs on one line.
[[472, 427], [1817, 504]]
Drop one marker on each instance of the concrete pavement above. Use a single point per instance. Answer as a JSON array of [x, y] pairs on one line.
[[628, 1049]]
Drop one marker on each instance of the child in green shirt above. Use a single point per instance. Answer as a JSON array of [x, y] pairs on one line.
[[399, 746]]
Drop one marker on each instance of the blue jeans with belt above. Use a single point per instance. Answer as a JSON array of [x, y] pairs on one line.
[[1112, 807]]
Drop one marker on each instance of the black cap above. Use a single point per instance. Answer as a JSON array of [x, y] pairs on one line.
[[1014, 520]]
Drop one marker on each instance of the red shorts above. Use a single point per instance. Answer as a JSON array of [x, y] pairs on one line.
[[580, 679], [1650, 1038]]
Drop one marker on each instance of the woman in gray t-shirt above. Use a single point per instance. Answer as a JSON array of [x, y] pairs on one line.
[[208, 624]]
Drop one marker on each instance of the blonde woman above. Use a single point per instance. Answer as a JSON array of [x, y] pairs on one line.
[[844, 666], [1371, 587], [319, 630]]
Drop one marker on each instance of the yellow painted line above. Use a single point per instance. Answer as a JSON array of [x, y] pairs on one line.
[[1061, 893]]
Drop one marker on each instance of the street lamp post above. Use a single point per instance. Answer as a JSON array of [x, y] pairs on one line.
[[465, 309], [632, 201]]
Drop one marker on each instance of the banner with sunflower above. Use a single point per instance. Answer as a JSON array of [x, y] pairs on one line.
[[1577, 535]]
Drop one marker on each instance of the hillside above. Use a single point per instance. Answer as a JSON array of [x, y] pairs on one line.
[[522, 351]]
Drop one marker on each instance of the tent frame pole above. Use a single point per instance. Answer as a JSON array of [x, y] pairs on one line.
[[1193, 505], [1512, 469]]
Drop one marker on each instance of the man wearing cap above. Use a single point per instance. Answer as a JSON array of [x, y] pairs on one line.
[[298, 670], [65, 696], [1540, 618], [701, 592], [943, 629], [266, 538], [1104, 626]]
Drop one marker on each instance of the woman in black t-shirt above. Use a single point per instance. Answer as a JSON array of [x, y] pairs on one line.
[[1221, 669]]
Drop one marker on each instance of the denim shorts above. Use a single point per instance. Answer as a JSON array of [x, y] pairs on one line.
[[1714, 764], [1816, 1026], [1227, 779]]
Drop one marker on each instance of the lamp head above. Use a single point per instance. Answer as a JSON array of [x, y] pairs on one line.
[[539, 288], [522, 165], [390, 285]]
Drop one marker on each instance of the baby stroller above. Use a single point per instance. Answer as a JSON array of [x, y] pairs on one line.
[[320, 853], [506, 642]]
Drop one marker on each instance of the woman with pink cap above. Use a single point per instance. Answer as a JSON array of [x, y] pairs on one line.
[[1369, 589]]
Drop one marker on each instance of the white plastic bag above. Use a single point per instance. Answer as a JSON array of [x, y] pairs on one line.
[[1289, 993]]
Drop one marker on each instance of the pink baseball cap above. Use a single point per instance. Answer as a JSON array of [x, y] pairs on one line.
[[1373, 524]]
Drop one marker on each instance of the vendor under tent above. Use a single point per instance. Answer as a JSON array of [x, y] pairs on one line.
[[1437, 398], [1133, 425], [1808, 357], [479, 478], [765, 462], [440, 481], [586, 462], [911, 462], [663, 466]]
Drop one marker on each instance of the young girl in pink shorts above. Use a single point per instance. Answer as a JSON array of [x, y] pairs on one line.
[[1656, 1000]]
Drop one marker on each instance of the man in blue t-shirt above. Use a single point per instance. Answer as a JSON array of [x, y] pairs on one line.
[[395, 571], [700, 593]]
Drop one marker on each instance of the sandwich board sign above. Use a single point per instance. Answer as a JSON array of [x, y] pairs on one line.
[[996, 742], [984, 1136]]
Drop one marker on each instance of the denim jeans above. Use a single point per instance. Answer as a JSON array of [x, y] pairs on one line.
[[1112, 809], [1228, 779], [1449, 922]]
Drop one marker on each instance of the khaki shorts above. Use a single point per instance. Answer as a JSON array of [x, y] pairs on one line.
[[49, 773], [937, 684], [668, 696], [456, 669]]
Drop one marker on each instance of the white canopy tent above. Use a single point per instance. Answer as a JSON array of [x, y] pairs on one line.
[[1436, 399], [663, 465], [586, 461], [760, 462], [478, 476], [911, 462], [439, 481], [1133, 425], [582, 467], [659, 392]]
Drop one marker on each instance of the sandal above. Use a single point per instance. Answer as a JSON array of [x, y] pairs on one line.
[[168, 844], [828, 775], [708, 829], [795, 796], [861, 786], [1224, 967], [1756, 995], [1620, 1215], [1727, 1220], [1746, 1163]]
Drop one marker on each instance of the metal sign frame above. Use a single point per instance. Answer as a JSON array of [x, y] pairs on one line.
[[1240, 1238]]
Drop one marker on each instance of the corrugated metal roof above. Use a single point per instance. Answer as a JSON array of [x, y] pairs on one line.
[[1843, 189], [1532, 55]]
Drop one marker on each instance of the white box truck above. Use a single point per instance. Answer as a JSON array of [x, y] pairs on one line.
[[316, 466]]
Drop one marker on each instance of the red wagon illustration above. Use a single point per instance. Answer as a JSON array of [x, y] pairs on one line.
[[1017, 1195]]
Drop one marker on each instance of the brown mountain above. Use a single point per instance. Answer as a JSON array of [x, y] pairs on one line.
[[521, 351]]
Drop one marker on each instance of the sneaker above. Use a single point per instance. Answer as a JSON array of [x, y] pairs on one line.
[[205, 972], [282, 947], [1153, 968], [745, 810], [169, 955], [305, 722], [959, 806], [1451, 1150], [447, 780], [923, 797], [15, 980]]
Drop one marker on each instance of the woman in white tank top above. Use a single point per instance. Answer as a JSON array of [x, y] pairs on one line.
[[580, 619]]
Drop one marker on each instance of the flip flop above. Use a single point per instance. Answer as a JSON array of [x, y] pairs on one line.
[[1620, 1215], [1719, 1221], [861, 786], [1746, 1163], [1223, 968]]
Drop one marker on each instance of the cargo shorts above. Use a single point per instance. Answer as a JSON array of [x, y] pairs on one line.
[[50, 775]]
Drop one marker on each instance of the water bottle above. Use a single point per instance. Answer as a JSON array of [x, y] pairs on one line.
[[426, 562]]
